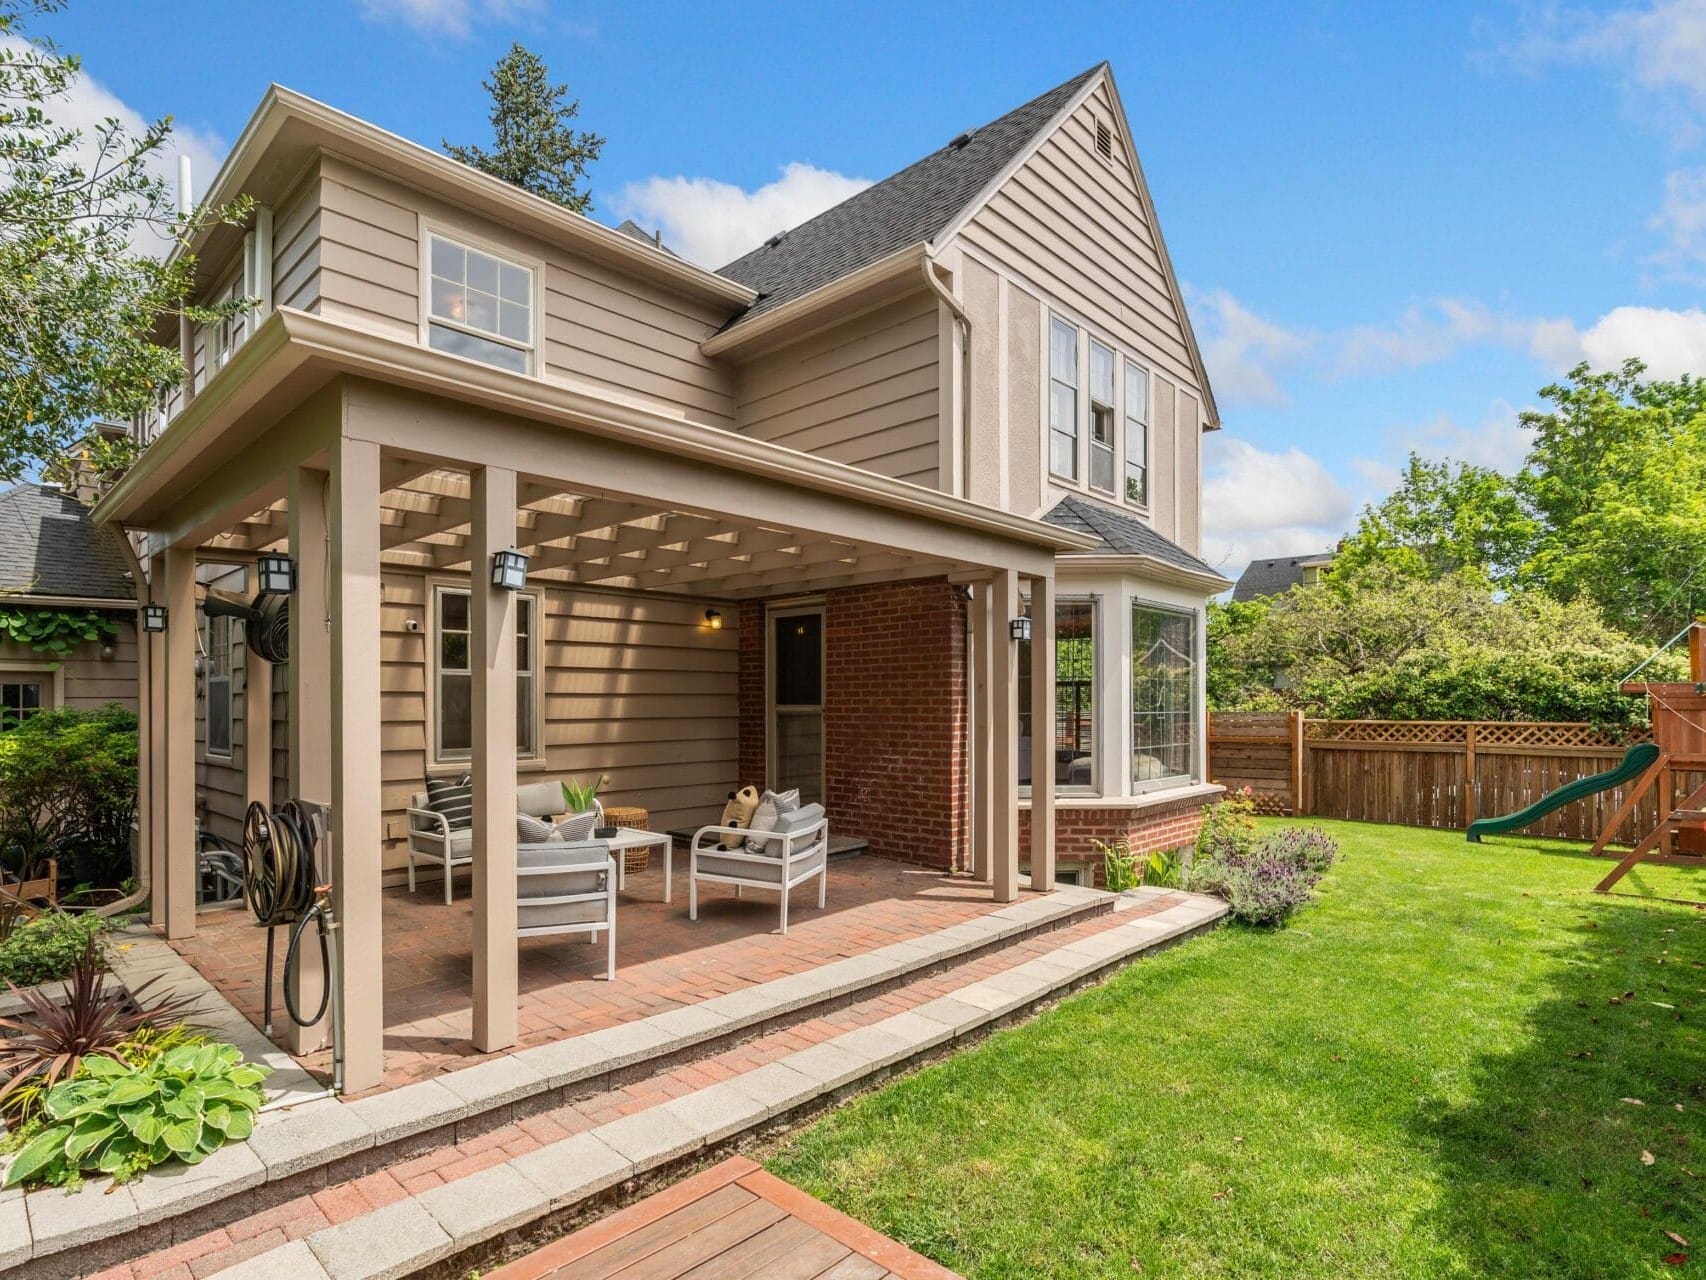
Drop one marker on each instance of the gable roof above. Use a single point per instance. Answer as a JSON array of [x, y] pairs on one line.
[[1122, 534], [910, 207], [49, 547], [1275, 577]]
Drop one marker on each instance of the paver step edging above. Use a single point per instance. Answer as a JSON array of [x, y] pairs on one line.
[[319, 1142], [490, 1214]]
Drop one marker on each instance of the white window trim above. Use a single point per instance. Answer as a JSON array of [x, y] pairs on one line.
[[1079, 399], [1124, 439], [437, 763], [52, 674], [1199, 718], [504, 253], [1098, 698], [1113, 405]]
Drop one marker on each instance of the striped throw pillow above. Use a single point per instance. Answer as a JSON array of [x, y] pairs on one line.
[[771, 807], [454, 798], [531, 830], [578, 827]]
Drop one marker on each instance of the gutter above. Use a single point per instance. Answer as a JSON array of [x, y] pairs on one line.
[[1151, 567], [791, 314]]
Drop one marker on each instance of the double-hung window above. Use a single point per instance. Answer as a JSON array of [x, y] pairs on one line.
[[479, 305], [1102, 365], [231, 330], [1136, 435], [219, 710], [1063, 398], [1164, 726], [452, 638]]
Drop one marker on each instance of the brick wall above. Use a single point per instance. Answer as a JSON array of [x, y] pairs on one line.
[[1165, 826], [894, 715]]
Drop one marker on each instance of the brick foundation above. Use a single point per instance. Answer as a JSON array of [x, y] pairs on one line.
[[895, 761], [1157, 826]]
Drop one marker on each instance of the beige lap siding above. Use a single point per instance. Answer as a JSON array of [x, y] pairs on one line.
[[1156, 826]]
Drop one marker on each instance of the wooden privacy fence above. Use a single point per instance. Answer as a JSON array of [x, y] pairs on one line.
[[1424, 773]]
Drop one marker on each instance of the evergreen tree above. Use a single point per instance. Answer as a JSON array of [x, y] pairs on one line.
[[535, 145]]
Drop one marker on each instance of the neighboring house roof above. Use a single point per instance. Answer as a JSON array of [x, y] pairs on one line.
[[631, 228], [1277, 576], [49, 547], [911, 207], [1122, 534]]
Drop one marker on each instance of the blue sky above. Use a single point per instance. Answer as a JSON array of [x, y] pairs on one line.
[[1394, 223]]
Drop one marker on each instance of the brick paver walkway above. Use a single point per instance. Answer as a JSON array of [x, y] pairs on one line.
[[300, 1217], [664, 960]]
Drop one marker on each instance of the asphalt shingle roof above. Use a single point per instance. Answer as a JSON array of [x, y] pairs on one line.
[[913, 205], [49, 547], [1271, 577], [1122, 534]]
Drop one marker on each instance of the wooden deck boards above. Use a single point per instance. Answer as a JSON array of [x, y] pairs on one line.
[[731, 1222]]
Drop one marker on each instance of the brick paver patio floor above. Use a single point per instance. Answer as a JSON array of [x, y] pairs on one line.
[[664, 960]]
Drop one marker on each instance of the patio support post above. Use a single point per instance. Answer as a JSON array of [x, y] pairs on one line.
[[179, 852], [154, 748], [982, 812], [257, 725], [1042, 734], [357, 802], [310, 704], [492, 660], [1004, 735]]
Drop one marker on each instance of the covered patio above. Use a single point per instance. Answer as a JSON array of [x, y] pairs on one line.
[[361, 455]]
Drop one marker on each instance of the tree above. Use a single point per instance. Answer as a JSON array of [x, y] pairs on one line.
[[79, 296], [1443, 517], [535, 146], [1617, 479]]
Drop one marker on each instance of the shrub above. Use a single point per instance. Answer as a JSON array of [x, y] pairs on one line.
[[47, 948], [1119, 865], [1229, 826], [68, 790], [112, 1118], [1269, 877]]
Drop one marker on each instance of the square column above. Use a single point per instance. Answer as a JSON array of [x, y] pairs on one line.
[[357, 831], [310, 721], [257, 726], [492, 660], [178, 853], [982, 811], [1042, 734], [153, 747], [1004, 734]]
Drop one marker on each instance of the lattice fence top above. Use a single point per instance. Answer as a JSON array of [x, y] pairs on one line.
[[1488, 733]]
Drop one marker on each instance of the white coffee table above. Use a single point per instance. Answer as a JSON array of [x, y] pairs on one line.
[[632, 838]]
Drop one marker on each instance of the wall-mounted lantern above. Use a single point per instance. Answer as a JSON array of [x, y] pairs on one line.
[[1019, 628], [154, 617], [714, 619], [509, 570], [277, 574]]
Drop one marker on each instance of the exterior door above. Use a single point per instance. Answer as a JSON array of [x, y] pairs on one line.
[[796, 702]]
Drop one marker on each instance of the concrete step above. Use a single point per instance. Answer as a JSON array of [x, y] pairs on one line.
[[527, 1192], [314, 1141]]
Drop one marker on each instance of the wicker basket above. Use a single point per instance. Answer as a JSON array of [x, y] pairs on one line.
[[636, 818]]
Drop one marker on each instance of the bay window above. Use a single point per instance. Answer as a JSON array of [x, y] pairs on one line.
[[453, 676], [1063, 398], [1069, 744], [1164, 723], [479, 305]]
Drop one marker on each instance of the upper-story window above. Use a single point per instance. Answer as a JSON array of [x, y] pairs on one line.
[[1063, 398], [1102, 365], [480, 305], [1136, 434], [232, 330]]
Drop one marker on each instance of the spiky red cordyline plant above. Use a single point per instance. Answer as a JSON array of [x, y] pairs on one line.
[[44, 1046]]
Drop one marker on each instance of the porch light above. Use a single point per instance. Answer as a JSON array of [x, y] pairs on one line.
[[277, 573], [509, 570], [713, 619], [1019, 628], [154, 617]]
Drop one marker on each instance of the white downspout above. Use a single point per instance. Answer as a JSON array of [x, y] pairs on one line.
[[964, 322]]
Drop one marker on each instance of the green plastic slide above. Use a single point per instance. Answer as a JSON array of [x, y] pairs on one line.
[[1638, 760]]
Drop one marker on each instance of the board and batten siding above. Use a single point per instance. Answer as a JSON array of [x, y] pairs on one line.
[[601, 328], [865, 392], [1069, 229], [632, 686]]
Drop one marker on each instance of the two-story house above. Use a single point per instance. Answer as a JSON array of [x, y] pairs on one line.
[[901, 508]]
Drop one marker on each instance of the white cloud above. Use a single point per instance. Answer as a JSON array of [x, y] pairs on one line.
[[1245, 353], [1258, 503], [1659, 49], [713, 223], [1682, 219], [1498, 441], [1670, 343], [1425, 334], [87, 104], [454, 18]]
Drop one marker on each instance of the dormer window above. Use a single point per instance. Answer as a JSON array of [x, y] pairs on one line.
[[480, 305]]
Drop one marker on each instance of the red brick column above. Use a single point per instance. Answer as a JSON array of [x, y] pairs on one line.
[[751, 753]]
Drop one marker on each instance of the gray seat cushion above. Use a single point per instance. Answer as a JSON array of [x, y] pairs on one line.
[[767, 871], [573, 869]]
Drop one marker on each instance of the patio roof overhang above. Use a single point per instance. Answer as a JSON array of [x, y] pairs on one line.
[[612, 492]]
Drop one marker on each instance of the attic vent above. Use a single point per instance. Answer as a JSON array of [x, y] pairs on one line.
[[775, 240], [961, 140], [1104, 141]]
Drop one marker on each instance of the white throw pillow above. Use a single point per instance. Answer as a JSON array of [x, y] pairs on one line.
[[578, 827], [771, 806]]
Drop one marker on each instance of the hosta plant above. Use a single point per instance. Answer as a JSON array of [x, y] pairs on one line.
[[115, 1119]]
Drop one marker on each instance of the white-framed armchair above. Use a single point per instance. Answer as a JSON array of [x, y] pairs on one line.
[[793, 853], [431, 839], [567, 888]]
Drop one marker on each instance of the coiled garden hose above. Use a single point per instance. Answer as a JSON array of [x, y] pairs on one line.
[[280, 887]]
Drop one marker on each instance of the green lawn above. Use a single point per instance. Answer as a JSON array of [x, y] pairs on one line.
[[1426, 1074]]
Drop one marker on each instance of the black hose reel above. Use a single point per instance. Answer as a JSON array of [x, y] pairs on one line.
[[266, 622], [280, 877]]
